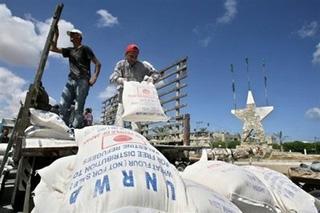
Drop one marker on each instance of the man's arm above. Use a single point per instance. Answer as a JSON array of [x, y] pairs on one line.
[[152, 72], [54, 42], [116, 77], [95, 75]]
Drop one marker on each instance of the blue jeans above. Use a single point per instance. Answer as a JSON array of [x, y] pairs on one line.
[[75, 91]]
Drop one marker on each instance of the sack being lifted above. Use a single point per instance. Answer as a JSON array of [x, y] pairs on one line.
[[141, 103]]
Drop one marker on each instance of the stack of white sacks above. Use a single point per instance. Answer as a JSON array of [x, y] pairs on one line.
[[251, 188], [46, 124], [117, 170]]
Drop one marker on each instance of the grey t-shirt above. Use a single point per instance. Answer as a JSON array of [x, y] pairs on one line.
[[135, 72], [79, 61]]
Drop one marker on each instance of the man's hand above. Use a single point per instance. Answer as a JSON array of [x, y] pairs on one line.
[[92, 80], [121, 80], [56, 30], [54, 41], [148, 79]]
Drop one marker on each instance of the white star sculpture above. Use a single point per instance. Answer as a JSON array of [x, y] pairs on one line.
[[252, 117]]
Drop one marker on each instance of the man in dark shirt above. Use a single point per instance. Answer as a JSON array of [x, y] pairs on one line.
[[4, 136], [79, 78]]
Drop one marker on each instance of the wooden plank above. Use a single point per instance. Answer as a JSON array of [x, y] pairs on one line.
[[47, 143], [172, 81], [172, 90], [186, 130], [183, 68], [175, 108], [50, 152], [173, 99], [183, 60]]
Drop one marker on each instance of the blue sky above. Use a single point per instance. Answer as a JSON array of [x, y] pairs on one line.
[[212, 33]]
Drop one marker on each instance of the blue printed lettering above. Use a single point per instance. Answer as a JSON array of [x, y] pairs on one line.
[[151, 181], [100, 187], [74, 195], [173, 193], [128, 180]]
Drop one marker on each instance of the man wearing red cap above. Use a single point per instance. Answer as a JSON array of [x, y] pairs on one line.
[[131, 69], [79, 78]]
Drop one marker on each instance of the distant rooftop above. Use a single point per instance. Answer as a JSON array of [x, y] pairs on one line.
[[7, 122]]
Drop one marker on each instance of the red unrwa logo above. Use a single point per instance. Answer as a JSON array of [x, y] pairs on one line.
[[122, 138], [119, 139], [146, 92]]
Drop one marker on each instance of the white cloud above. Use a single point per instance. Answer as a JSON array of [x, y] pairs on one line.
[[108, 92], [63, 41], [106, 19], [22, 40], [205, 42], [204, 34], [196, 30], [52, 101], [308, 30], [12, 91], [313, 113], [316, 55], [231, 11]]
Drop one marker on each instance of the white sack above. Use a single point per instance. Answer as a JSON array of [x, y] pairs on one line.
[[58, 174], [241, 187], [50, 193], [115, 170], [289, 197], [141, 103], [48, 200], [47, 119], [3, 148], [42, 132], [202, 199]]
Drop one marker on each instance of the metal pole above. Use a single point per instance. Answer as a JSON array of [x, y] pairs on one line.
[[265, 82], [248, 77], [233, 87]]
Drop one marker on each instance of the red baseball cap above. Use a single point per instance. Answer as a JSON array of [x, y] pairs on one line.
[[132, 48]]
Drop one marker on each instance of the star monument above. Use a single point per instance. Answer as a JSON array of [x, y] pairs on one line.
[[252, 116]]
